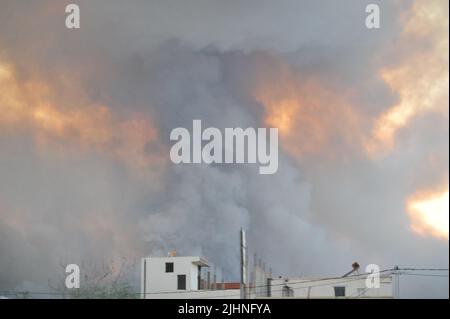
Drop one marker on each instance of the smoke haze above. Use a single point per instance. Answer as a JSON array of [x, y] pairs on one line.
[[85, 118]]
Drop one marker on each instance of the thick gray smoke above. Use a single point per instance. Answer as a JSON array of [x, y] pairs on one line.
[[64, 198]]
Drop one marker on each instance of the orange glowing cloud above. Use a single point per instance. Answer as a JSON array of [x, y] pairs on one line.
[[429, 213], [421, 80], [31, 105], [311, 119]]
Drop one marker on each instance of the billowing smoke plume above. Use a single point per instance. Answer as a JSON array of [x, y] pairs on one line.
[[85, 118]]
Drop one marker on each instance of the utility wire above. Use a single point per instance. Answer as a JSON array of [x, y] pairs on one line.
[[350, 278], [347, 279], [423, 275]]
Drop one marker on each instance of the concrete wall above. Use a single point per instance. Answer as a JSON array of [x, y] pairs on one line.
[[199, 294], [355, 287], [157, 280]]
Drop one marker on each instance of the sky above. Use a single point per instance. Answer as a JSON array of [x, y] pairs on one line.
[[363, 119]]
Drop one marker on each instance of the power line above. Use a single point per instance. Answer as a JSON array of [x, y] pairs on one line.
[[424, 269], [347, 279], [424, 275], [308, 286], [359, 294], [350, 278]]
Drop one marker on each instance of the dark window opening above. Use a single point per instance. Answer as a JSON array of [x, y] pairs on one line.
[[339, 291], [181, 282], [169, 267]]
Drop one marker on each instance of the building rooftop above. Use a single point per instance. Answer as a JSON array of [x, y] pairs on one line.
[[196, 260]]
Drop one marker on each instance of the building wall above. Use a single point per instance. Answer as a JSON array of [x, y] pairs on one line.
[[199, 294], [355, 287], [153, 269]]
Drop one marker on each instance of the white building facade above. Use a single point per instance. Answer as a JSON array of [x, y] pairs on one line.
[[355, 286], [181, 278], [192, 278]]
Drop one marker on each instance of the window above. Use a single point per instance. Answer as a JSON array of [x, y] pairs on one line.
[[339, 291], [169, 267], [181, 282]]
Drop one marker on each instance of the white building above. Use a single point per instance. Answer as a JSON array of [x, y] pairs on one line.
[[181, 278], [194, 278], [345, 287]]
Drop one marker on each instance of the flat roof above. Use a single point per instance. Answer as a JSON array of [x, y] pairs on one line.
[[197, 260]]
